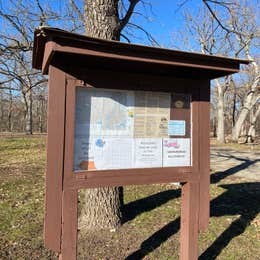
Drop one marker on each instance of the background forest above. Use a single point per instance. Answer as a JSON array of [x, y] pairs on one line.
[[228, 28]]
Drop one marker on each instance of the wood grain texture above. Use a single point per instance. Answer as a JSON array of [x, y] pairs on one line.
[[133, 177], [204, 156], [189, 221], [55, 148], [69, 225]]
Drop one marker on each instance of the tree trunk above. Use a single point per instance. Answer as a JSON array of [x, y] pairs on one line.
[[251, 98], [38, 115], [253, 118], [214, 127], [102, 19], [249, 103], [2, 126], [41, 114], [220, 115], [28, 115], [102, 206], [234, 109], [10, 111]]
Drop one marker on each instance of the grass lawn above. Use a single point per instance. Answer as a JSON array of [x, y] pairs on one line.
[[151, 223]]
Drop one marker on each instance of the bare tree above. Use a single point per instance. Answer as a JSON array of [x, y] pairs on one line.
[[15, 50], [243, 33], [203, 29], [254, 115], [10, 111], [99, 18], [229, 29], [251, 98], [103, 19], [19, 18]]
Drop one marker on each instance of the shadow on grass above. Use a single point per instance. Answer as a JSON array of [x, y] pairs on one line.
[[156, 239], [238, 199], [218, 176], [135, 208]]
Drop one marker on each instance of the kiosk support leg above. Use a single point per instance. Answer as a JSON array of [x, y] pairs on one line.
[[189, 221], [69, 225]]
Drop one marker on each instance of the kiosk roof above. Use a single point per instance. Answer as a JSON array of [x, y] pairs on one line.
[[67, 50]]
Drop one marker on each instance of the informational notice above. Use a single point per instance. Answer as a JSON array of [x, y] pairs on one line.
[[176, 127], [148, 152], [117, 129], [151, 114], [176, 152]]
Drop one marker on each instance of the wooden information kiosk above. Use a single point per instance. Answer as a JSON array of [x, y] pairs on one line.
[[122, 114]]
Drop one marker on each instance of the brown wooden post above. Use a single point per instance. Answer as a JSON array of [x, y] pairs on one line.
[[189, 221], [204, 156], [55, 147], [190, 191], [69, 225]]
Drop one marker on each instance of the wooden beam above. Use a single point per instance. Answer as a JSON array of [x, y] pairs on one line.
[[69, 225], [189, 221], [55, 150], [204, 156]]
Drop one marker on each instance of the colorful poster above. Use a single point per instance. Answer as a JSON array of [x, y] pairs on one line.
[[176, 152], [83, 153]]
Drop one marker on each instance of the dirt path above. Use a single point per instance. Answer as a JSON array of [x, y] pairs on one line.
[[242, 164]]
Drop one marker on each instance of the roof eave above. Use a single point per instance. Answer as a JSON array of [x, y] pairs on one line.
[[48, 41]]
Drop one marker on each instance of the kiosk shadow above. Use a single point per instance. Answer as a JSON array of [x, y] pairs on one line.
[[239, 199], [218, 176], [135, 208], [155, 240]]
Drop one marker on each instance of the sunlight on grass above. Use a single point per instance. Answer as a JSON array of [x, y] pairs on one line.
[[151, 227]]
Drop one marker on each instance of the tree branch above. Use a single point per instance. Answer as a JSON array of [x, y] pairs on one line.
[[125, 37], [149, 36], [224, 4], [78, 12], [124, 21]]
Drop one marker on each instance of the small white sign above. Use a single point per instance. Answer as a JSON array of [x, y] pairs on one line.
[[148, 152], [176, 152]]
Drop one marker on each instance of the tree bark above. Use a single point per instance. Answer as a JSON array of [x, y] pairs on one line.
[[220, 114], [2, 111], [102, 206], [251, 131], [28, 115], [41, 114], [101, 210], [234, 108], [102, 19], [10, 111], [250, 100]]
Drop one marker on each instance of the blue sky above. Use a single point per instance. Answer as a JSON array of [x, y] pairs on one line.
[[166, 19], [166, 16]]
